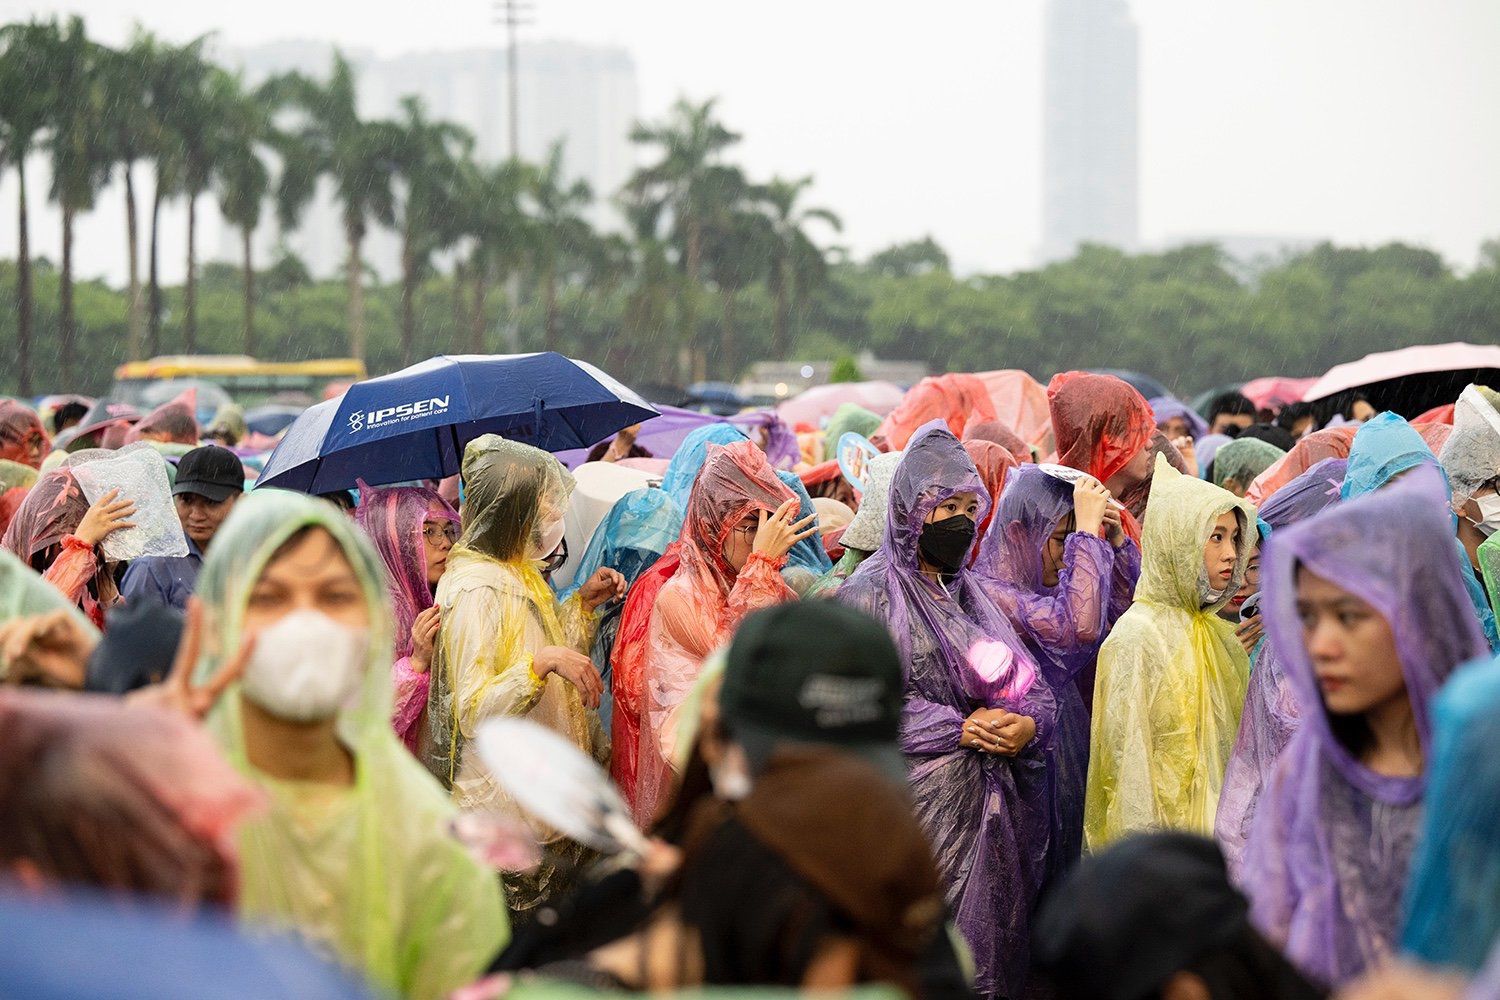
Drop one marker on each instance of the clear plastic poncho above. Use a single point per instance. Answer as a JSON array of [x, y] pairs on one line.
[[498, 613], [958, 399], [1172, 675], [1243, 459], [368, 872], [394, 520], [1270, 715], [864, 533], [986, 815], [1100, 423], [1471, 455], [1331, 842], [1063, 625], [1453, 899], [698, 608]]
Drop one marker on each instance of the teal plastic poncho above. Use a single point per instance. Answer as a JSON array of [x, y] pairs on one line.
[[367, 872]]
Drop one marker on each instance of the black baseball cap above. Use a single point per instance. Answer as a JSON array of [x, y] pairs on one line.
[[211, 472], [814, 672]]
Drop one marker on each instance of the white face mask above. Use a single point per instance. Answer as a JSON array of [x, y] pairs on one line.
[[306, 667], [1489, 514], [552, 536]]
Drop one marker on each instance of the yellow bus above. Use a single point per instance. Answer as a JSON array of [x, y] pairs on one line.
[[221, 378]]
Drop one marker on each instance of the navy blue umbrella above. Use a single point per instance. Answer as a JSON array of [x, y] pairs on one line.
[[414, 424]]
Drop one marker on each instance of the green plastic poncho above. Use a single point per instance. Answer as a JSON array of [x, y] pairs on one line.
[[366, 872], [1489, 566], [1243, 460], [848, 417], [23, 593], [1172, 675]]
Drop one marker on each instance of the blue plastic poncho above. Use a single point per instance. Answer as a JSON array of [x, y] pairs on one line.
[[1453, 902], [682, 471], [809, 553], [987, 816], [1332, 840]]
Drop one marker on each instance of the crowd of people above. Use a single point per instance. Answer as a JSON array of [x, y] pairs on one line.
[[1012, 692]]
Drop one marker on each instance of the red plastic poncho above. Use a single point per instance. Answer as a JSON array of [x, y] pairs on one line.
[[22, 437], [698, 608], [48, 517], [174, 422], [1101, 423], [1331, 442], [957, 399]]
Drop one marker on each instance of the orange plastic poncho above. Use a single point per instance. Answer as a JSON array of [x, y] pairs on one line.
[[957, 399], [699, 606], [994, 464], [1020, 404], [1331, 442], [1101, 423], [175, 421]]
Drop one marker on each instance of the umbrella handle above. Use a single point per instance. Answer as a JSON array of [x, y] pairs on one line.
[[536, 414]]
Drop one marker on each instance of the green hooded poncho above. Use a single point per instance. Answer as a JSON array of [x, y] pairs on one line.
[[1172, 675], [367, 872], [848, 417]]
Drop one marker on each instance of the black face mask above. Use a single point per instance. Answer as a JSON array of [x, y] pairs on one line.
[[945, 543]]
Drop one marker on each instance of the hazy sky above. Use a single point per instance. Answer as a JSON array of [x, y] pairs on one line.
[[1359, 120]]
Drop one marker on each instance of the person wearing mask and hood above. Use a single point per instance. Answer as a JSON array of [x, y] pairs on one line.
[[1471, 457], [1057, 562], [742, 522], [862, 537], [22, 438], [209, 481], [1270, 715], [1366, 607], [1241, 461], [1172, 674], [505, 646], [1104, 428], [414, 530], [352, 853], [977, 727]]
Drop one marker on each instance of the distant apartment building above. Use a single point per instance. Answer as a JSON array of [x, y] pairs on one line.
[[1091, 127], [583, 95]]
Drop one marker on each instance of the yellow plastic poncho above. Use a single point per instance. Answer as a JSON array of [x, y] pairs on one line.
[[497, 613], [1172, 675], [366, 873]]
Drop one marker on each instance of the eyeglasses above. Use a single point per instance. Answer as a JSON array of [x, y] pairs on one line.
[[557, 558], [435, 533], [749, 529]]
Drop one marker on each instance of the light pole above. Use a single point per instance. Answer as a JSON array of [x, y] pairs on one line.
[[513, 14]]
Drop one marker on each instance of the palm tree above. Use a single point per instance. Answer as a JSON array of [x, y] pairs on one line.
[[129, 127], [432, 156], [500, 232], [208, 95], [563, 237], [80, 159], [244, 183], [361, 157], [739, 247], [799, 264], [686, 184], [25, 75]]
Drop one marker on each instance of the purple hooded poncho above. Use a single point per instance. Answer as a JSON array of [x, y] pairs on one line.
[[394, 520], [1332, 841], [1270, 715], [1062, 626], [986, 815]]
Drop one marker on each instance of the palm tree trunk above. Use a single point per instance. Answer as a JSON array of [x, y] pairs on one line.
[[354, 280], [726, 335], [477, 316], [694, 261], [24, 304], [408, 296], [246, 245], [780, 324], [67, 332], [459, 272], [549, 297], [133, 263], [153, 342], [190, 286]]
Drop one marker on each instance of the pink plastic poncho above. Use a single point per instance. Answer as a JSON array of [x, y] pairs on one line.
[[1020, 403], [22, 437], [1325, 867], [1063, 625], [1270, 715], [123, 798], [1101, 423], [1330, 442], [175, 421], [957, 399], [698, 608], [986, 815], [48, 517], [394, 520], [995, 432]]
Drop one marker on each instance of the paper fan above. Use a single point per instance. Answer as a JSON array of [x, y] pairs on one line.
[[1068, 474], [553, 780], [855, 452]]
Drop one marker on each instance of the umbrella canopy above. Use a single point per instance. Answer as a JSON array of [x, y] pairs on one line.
[[1412, 379], [1275, 391], [818, 403], [414, 424]]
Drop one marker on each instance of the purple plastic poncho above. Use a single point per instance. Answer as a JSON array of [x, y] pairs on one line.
[[394, 520], [1165, 408], [986, 815], [1270, 715], [1062, 626], [662, 436], [1327, 859]]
